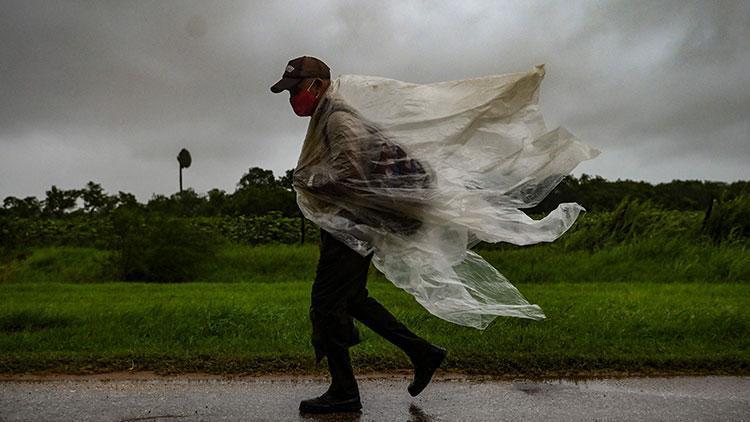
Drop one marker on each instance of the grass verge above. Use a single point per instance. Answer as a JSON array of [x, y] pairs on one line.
[[591, 328], [662, 260]]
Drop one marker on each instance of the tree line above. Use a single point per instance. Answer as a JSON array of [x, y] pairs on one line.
[[598, 194], [259, 192]]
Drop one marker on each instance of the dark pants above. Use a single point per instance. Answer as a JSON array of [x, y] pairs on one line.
[[338, 295]]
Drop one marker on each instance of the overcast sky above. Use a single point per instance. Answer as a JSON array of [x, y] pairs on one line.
[[110, 91]]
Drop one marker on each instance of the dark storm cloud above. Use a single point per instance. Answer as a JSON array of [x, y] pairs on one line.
[[678, 75], [110, 91]]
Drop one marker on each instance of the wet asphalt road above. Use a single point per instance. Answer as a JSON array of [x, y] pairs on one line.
[[709, 398]]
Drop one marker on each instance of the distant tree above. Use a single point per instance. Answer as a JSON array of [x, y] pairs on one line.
[[94, 198], [688, 194], [598, 194], [258, 201], [29, 207], [257, 177], [285, 181], [59, 201], [162, 204], [738, 188], [258, 192], [217, 202], [126, 200], [189, 203]]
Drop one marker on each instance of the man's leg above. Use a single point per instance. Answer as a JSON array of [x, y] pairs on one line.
[[343, 394], [343, 382], [333, 328], [425, 356], [375, 316]]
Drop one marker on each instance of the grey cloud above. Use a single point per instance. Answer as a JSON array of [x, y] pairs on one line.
[[111, 90]]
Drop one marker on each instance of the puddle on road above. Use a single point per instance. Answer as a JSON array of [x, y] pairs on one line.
[[546, 386]]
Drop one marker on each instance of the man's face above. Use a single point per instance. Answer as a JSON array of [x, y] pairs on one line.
[[302, 85], [305, 95]]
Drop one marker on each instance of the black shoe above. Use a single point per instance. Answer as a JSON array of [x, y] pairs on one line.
[[424, 367], [327, 404]]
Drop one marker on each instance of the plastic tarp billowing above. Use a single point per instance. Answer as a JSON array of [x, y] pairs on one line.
[[419, 174]]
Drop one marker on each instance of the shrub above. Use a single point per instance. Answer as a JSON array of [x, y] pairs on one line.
[[153, 247], [61, 264], [633, 220], [728, 220], [261, 229], [18, 236]]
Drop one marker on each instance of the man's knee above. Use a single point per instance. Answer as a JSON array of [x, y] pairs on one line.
[[360, 303], [333, 325]]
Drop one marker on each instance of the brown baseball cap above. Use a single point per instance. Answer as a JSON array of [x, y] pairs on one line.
[[301, 68]]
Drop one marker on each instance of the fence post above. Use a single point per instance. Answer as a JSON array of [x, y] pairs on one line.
[[302, 228]]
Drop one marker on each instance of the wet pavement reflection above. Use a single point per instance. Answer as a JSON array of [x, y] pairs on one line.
[[383, 399]]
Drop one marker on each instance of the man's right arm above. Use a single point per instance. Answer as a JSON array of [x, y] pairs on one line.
[[346, 157]]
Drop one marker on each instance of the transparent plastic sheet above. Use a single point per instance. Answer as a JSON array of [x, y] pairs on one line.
[[419, 174]]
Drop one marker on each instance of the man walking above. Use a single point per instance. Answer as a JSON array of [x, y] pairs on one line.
[[339, 291]]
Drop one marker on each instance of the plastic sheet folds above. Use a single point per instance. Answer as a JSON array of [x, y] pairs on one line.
[[419, 174]]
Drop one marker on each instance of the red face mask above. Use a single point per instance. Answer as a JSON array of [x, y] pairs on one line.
[[303, 103]]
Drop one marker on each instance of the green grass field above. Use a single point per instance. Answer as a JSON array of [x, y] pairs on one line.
[[591, 329], [650, 307], [655, 260]]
